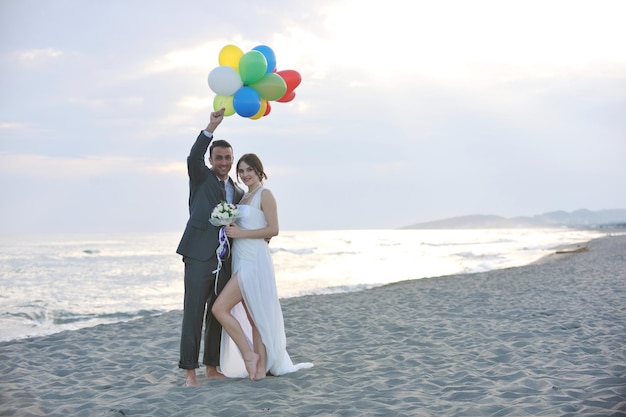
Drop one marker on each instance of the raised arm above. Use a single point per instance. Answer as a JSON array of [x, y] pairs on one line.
[[215, 120], [196, 165]]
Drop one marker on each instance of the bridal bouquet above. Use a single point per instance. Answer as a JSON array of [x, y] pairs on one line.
[[223, 214]]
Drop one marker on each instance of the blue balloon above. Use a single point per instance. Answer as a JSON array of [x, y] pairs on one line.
[[270, 57], [246, 102]]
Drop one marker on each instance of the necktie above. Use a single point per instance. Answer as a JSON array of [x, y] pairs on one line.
[[223, 183]]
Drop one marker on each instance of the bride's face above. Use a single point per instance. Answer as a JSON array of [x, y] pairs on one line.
[[248, 175]]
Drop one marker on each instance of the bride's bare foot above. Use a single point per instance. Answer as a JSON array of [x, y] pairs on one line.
[[252, 363], [260, 374], [211, 372]]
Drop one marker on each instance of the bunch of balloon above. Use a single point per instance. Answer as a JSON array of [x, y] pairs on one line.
[[246, 83]]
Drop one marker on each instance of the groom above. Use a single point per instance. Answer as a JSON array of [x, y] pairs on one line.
[[207, 187]]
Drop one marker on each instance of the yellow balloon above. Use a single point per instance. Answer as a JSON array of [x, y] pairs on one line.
[[230, 56], [261, 111], [226, 102]]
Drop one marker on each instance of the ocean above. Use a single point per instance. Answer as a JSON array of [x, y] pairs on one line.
[[52, 283]]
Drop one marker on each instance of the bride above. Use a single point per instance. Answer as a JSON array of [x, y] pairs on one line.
[[253, 335]]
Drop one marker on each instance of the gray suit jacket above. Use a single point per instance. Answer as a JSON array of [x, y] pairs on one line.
[[200, 239]]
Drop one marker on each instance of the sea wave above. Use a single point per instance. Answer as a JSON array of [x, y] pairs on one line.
[[301, 251], [49, 285], [41, 321]]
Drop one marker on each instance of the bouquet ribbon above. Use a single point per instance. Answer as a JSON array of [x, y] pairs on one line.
[[222, 252]]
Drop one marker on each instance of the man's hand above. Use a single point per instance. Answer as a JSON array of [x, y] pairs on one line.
[[216, 119]]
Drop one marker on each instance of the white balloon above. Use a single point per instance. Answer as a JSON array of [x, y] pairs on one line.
[[225, 80]]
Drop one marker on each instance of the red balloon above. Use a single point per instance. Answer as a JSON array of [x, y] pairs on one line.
[[292, 78], [289, 95], [268, 109]]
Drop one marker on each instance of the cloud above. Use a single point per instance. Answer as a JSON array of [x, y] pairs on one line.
[[63, 168], [11, 126], [448, 108], [457, 40], [38, 56], [196, 58]]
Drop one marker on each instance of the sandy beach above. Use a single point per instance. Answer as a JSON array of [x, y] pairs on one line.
[[547, 339]]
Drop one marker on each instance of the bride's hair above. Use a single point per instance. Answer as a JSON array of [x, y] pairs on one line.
[[256, 164]]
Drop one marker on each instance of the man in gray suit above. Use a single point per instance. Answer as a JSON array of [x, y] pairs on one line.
[[207, 187]]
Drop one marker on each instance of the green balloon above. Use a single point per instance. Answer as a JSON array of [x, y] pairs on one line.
[[225, 102], [271, 87], [252, 67]]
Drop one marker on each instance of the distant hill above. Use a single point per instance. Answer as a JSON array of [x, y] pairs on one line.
[[578, 219]]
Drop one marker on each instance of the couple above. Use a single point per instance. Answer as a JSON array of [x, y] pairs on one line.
[[244, 330]]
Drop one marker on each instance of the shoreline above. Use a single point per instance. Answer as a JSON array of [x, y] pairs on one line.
[[45, 327], [546, 339]]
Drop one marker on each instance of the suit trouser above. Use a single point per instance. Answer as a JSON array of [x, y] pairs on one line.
[[199, 298]]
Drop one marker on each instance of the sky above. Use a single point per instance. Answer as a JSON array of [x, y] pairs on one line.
[[407, 112]]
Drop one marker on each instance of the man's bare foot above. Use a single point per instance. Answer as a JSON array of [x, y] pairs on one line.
[[191, 380], [211, 372], [252, 363]]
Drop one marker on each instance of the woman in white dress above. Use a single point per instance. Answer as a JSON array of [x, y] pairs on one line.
[[253, 336]]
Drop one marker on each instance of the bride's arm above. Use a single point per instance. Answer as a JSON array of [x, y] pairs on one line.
[[270, 210]]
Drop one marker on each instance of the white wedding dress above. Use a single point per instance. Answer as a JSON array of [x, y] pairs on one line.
[[252, 262]]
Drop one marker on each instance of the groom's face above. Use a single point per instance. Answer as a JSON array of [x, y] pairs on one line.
[[221, 160]]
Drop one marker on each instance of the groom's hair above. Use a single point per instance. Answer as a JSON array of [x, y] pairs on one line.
[[219, 144]]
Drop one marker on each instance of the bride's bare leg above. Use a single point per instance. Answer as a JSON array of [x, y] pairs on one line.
[[228, 298], [259, 348]]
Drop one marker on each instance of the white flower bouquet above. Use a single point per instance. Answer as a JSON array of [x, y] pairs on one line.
[[224, 214]]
